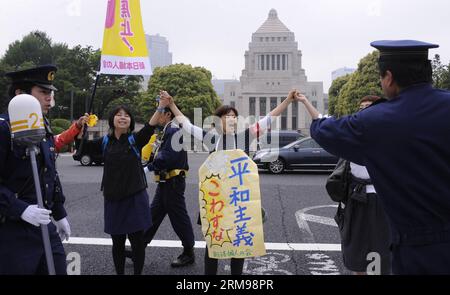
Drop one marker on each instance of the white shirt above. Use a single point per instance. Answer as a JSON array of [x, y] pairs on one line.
[[361, 172]]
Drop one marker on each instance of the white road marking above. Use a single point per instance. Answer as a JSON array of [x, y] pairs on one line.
[[319, 219], [265, 265], [202, 244], [302, 220], [319, 263]]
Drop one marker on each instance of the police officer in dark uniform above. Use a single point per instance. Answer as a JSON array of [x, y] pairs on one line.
[[170, 166], [405, 145], [21, 245]]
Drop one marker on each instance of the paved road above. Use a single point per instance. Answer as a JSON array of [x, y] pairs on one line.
[[300, 235]]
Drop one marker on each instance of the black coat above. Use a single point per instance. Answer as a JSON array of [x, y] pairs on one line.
[[123, 175]]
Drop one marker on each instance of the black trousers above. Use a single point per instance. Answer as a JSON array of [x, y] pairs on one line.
[[169, 200], [236, 265], [22, 250], [137, 249]]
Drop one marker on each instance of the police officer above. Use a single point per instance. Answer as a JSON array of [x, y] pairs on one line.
[[21, 245], [405, 145], [170, 166]]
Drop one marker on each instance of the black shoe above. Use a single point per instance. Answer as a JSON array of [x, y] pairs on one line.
[[186, 258]]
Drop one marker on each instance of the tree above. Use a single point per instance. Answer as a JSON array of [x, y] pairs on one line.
[[191, 88], [30, 51], [441, 73], [365, 81], [334, 92], [114, 90], [77, 69]]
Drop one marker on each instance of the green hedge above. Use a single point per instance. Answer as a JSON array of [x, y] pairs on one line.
[[61, 123]]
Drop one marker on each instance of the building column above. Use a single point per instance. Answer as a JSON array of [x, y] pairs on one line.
[[257, 98], [289, 117]]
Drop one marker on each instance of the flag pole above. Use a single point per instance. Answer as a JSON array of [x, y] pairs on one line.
[[89, 111]]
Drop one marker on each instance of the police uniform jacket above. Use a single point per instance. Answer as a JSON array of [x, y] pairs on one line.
[[17, 190], [168, 157], [405, 145]]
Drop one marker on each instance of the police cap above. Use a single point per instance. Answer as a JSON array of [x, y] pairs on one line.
[[41, 76], [403, 50]]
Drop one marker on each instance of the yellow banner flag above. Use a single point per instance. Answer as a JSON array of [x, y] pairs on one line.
[[124, 49], [230, 206]]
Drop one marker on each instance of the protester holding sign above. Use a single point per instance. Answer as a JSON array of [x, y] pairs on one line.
[[226, 137]]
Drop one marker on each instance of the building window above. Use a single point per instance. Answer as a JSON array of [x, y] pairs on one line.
[[278, 62], [268, 62], [283, 62], [284, 38], [284, 117], [273, 103], [261, 39], [262, 62], [294, 115], [279, 39], [287, 61], [233, 104], [294, 123], [267, 39], [314, 93], [273, 62], [252, 106], [273, 39], [262, 106], [314, 103]]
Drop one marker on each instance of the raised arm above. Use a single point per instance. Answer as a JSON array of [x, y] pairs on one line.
[[309, 107], [68, 136], [265, 122], [196, 131], [163, 103], [282, 106]]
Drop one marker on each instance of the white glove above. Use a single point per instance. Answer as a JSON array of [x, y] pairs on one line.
[[146, 170], [36, 216], [63, 229]]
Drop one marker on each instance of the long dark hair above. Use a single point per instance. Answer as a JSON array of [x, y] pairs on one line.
[[114, 113], [225, 109]]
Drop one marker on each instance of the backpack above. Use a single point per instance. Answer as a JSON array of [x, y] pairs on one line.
[[130, 140], [338, 182]]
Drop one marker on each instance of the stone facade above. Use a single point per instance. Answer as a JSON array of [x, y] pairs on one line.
[[273, 66], [158, 50]]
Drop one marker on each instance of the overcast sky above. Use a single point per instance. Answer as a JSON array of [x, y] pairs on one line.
[[215, 33]]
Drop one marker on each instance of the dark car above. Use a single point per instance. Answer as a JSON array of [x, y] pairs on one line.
[[278, 138], [304, 154], [88, 154]]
